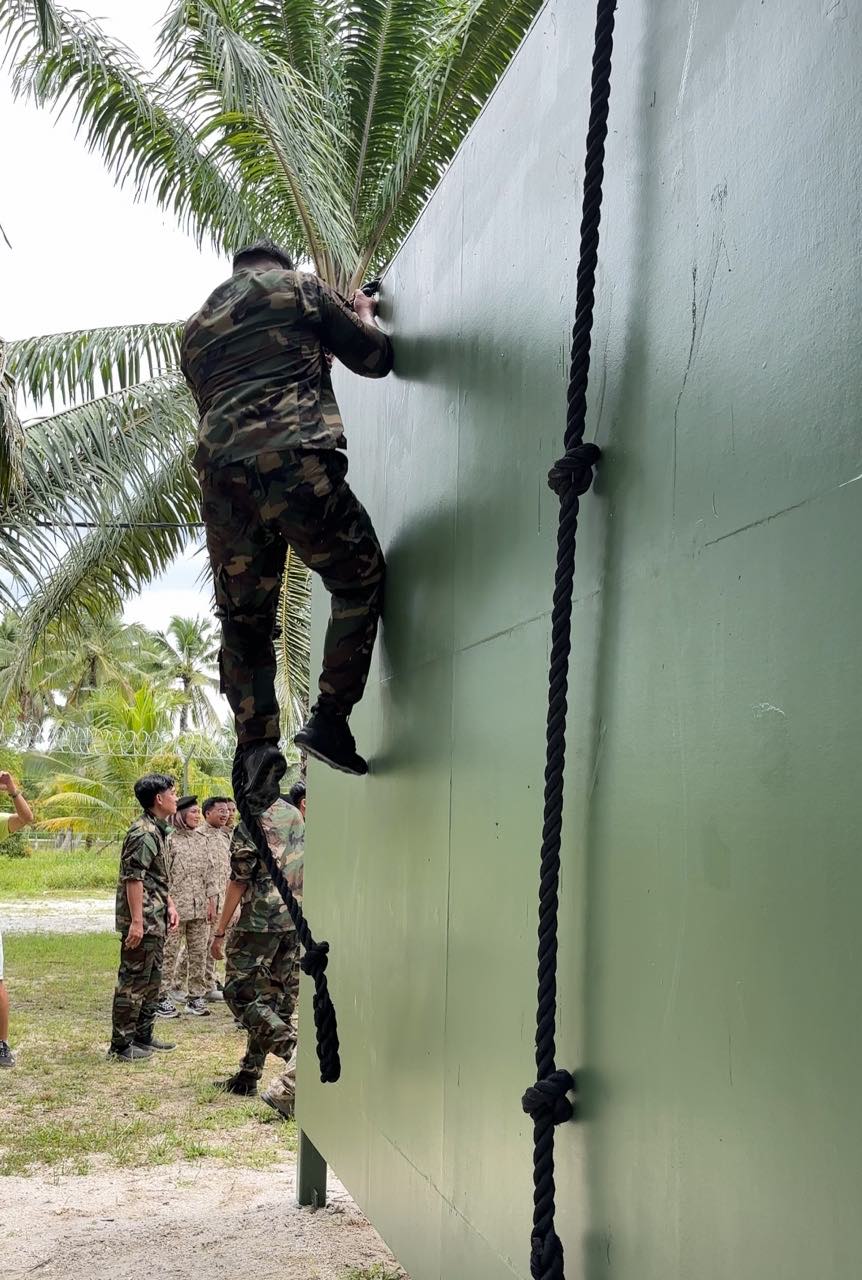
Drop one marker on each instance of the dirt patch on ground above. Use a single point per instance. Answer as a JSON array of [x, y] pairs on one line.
[[57, 915], [182, 1221]]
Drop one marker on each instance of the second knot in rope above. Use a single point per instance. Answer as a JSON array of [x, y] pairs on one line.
[[315, 960], [549, 1097], [574, 470], [546, 1257]]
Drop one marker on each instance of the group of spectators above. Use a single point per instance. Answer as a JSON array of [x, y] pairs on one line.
[[184, 880], [192, 891], [199, 865]]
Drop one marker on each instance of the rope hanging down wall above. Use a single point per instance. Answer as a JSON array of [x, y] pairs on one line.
[[316, 956], [547, 1101]]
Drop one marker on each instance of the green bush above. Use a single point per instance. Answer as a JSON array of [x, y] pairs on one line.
[[15, 845]]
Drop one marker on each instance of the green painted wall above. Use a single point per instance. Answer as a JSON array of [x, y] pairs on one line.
[[712, 883]]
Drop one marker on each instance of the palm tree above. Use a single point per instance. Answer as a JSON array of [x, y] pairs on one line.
[[323, 125], [68, 668], [186, 656], [91, 773], [101, 651], [93, 795]]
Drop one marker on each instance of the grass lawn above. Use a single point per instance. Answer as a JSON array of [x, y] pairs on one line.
[[65, 1106], [57, 871]]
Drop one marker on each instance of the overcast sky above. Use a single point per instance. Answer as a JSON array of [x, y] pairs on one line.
[[84, 254]]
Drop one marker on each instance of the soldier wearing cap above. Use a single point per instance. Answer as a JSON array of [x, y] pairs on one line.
[[193, 891], [272, 469]]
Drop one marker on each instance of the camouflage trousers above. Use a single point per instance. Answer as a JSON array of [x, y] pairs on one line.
[[195, 934], [137, 992], [261, 986], [254, 511], [282, 1090]]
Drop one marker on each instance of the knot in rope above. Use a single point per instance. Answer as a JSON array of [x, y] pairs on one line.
[[548, 1098], [574, 470], [546, 1256], [315, 960]]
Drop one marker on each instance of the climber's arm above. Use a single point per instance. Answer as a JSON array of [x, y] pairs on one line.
[[351, 334]]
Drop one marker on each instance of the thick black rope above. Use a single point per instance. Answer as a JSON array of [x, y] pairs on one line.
[[547, 1101], [316, 956]]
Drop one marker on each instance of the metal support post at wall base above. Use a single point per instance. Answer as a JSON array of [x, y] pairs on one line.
[[310, 1174]]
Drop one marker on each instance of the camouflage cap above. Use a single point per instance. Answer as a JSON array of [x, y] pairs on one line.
[[265, 248]]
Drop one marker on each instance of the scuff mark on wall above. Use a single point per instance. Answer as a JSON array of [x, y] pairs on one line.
[[693, 7]]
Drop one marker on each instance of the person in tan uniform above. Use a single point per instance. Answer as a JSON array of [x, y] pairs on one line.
[[193, 891], [215, 829]]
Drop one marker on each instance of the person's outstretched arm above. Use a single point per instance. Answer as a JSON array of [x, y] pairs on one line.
[[350, 333], [23, 815]]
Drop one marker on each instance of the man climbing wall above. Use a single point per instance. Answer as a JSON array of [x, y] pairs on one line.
[[272, 475]]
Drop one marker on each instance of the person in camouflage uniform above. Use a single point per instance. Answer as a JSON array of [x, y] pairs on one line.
[[215, 831], [144, 914], [261, 973], [281, 1093], [272, 475], [193, 890]]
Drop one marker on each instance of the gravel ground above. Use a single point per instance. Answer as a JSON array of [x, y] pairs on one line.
[[57, 915], [181, 1221]]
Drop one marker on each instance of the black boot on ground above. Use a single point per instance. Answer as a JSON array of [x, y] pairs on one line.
[[264, 768], [241, 1084], [132, 1053], [326, 736], [161, 1046]]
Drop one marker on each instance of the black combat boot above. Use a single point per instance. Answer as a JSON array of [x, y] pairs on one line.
[[243, 1085], [161, 1046], [264, 767], [326, 736], [131, 1053]]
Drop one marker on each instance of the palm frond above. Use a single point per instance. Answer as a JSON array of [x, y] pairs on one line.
[[124, 115], [87, 467], [265, 104], [83, 463], [383, 43], [293, 645], [46, 12], [469, 50], [90, 362], [96, 573]]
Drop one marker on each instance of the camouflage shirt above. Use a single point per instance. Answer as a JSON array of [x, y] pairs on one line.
[[189, 873], [218, 849], [253, 357], [262, 909], [145, 856]]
